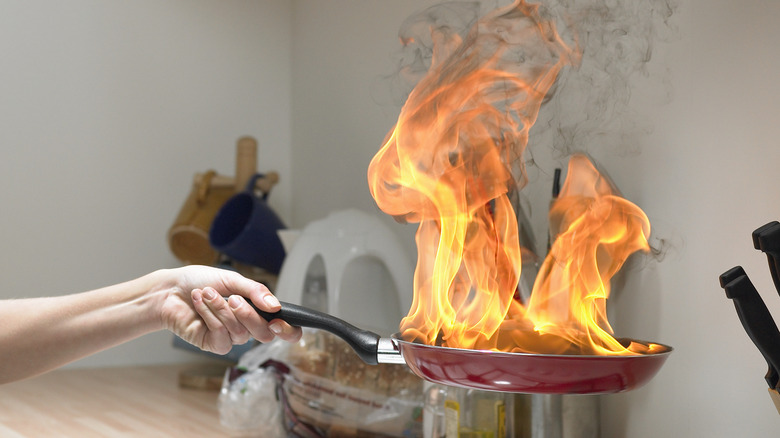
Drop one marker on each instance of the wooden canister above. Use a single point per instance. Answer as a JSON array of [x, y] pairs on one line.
[[188, 237], [246, 161]]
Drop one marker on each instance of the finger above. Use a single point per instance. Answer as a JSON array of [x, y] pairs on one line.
[[219, 308], [249, 317], [265, 300], [261, 329], [258, 293], [285, 331], [216, 337]]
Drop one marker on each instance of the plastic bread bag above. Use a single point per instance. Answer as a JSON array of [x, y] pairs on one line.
[[332, 390], [248, 399], [319, 387]]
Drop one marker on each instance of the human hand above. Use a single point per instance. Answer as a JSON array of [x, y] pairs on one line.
[[195, 308]]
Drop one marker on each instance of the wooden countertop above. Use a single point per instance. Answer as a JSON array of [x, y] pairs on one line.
[[109, 402]]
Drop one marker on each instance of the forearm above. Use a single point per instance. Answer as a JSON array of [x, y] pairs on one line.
[[40, 334]]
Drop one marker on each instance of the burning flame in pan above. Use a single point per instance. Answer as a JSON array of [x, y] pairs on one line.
[[454, 154]]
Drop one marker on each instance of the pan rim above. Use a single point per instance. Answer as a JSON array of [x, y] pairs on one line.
[[667, 350]]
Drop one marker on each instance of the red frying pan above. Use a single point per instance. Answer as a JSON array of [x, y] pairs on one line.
[[487, 370]]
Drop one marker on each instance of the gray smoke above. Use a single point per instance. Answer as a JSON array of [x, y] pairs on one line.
[[589, 105], [416, 36]]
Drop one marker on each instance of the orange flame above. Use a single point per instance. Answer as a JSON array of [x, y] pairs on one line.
[[448, 164], [596, 232]]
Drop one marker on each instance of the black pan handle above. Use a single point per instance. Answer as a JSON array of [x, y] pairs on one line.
[[755, 318], [364, 342], [767, 239]]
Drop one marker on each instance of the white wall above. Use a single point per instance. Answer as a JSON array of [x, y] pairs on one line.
[[342, 52], [107, 109], [709, 178], [706, 175]]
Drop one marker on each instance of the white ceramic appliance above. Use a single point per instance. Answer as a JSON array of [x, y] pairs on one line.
[[349, 265]]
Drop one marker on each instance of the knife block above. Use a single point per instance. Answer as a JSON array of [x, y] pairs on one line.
[[775, 398]]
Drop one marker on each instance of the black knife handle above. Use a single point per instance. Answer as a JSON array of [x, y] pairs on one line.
[[731, 275], [755, 318], [364, 342], [767, 239]]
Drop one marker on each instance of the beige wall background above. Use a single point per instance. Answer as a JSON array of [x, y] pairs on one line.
[[108, 108]]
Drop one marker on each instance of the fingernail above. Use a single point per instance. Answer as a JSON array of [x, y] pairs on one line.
[[209, 294], [235, 301], [271, 301], [276, 328]]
